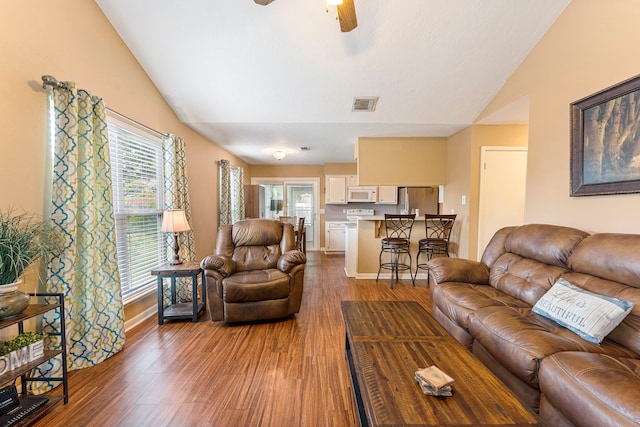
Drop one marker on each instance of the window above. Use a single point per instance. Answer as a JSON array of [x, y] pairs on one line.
[[137, 175]]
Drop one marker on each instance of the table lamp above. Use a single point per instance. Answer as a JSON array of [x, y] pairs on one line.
[[174, 221]]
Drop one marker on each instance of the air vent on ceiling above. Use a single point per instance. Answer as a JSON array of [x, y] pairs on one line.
[[365, 103], [305, 148]]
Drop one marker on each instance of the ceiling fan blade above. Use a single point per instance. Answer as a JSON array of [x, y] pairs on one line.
[[263, 2], [347, 16]]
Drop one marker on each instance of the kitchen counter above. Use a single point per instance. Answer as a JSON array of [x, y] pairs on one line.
[[370, 232], [381, 218]]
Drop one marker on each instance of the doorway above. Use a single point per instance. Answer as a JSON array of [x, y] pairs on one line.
[[503, 175], [299, 197]]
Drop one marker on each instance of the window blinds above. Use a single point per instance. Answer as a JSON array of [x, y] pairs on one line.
[[137, 175]]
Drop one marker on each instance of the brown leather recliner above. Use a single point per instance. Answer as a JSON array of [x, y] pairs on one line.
[[256, 272]]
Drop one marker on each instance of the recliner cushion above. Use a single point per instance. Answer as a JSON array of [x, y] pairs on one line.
[[592, 389], [256, 285]]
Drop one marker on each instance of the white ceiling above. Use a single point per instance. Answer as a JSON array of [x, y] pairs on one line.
[[256, 78]]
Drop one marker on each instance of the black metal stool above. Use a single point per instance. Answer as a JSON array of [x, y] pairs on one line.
[[398, 231], [438, 231]]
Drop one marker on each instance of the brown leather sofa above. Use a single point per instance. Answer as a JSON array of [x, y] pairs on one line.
[[487, 306], [256, 272]]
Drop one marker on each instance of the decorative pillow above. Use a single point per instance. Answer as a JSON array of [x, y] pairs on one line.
[[589, 315]]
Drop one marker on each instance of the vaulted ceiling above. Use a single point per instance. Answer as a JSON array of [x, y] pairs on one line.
[[256, 78]]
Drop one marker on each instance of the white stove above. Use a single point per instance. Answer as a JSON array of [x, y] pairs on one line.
[[353, 214]]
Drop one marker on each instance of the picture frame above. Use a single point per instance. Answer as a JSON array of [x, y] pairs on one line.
[[605, 141]]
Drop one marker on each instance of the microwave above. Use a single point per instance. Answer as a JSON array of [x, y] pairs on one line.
[[361, 194]]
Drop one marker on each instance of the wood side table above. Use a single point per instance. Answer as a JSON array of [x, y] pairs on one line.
[[182, 310]]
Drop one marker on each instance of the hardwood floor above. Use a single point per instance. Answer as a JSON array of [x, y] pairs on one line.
[[291, 372]]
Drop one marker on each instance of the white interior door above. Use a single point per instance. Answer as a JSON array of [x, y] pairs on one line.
[[503, 173]]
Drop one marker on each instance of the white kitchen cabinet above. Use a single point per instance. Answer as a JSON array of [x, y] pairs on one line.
[[336, 188], [387, 195], [335, 235]]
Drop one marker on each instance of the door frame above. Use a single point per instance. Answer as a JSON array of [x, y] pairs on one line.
[[482, 187], [315, 182]]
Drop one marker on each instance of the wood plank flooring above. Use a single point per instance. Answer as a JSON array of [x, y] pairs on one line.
[[291, 372]]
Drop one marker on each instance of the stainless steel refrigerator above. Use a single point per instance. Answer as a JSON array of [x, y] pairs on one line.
[[425, 199], [254, 201]]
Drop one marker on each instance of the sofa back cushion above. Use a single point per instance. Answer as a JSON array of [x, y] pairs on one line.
[[526, 261], [549, 244], [523, 278], [609, 256], [609, 264]]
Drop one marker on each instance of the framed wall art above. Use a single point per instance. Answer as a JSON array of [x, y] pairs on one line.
[[605, 141]]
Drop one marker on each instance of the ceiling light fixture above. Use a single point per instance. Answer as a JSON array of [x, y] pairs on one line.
[[333, 3], [279, 155]]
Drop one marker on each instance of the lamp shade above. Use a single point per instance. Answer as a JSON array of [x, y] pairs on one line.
[[174, 221]]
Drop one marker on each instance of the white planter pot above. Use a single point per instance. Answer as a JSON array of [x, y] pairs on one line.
[[35, 350], [19, 357], [5, 364]]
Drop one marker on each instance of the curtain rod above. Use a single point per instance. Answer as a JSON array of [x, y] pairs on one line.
[[48, 80]]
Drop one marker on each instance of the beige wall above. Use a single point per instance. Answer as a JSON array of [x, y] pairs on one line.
[[463, 178], [402, 161], [72, 40], [590, 47]]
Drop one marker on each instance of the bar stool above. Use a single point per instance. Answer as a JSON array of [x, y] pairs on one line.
[[438, 231], [398, 230]]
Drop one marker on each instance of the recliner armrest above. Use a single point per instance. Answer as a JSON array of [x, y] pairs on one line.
[[290, 259], [222, 264], [458, 270]]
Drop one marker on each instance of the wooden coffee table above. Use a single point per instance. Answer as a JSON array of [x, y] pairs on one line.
[[388, 341]]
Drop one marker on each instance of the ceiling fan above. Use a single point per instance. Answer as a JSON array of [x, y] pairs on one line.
[[346, 13]]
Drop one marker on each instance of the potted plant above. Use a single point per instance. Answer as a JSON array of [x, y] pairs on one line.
[[24, 239], [32, 341]]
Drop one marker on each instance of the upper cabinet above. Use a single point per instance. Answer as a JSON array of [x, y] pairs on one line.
[[387, 195], [335, 191]]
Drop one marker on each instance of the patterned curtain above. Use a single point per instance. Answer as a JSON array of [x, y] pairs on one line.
[[231, 193], [176, 192], [86, 270], [176, 196]]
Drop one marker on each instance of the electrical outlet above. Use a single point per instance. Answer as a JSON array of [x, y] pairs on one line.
[[321, 211]]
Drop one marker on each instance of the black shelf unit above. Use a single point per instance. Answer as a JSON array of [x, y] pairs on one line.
[[24, 372]]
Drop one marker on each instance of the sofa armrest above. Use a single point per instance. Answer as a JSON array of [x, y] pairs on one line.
[[220, 263], [290, 259], [458, 270]]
